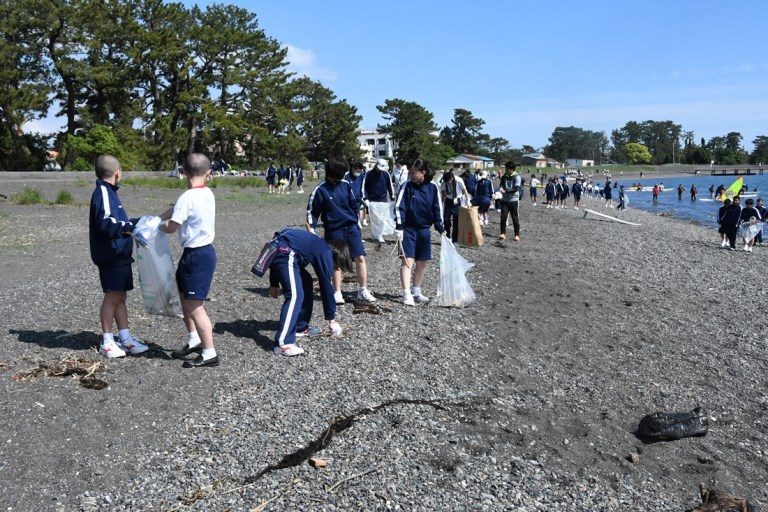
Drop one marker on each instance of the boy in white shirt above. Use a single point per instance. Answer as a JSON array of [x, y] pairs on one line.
[[194, 217]]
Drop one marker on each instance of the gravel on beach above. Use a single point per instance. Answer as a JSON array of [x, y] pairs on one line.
[[526, 400]]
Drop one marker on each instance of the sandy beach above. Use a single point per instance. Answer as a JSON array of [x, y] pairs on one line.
[[527, 400]]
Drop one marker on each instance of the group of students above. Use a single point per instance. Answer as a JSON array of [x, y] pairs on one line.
[[733, 217], [280, 179]]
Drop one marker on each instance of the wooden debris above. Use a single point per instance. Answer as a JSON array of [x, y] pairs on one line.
[[80, 368], [718, 501], [318, 462]]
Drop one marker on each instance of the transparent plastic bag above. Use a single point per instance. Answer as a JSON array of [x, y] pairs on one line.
[[453, 289], [750, 230], [157, 278], [382, 218]]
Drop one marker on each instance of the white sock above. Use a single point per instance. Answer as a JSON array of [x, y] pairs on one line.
[[406, 291], [208, 353], [107, 337], [124, 334], [193, 340], [417, 290]]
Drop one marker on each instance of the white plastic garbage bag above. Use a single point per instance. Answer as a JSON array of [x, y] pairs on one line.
[[382, 218], [750, 230], [157, 278], [453, 289]]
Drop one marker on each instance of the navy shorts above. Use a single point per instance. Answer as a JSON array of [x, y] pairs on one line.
[[270, 181], [117, 278], [195, 272], [352, 235], [483, 204], [533, 191], [417, 243]]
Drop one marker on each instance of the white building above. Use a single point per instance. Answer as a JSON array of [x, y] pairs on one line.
[[578, 162], [376, 145]]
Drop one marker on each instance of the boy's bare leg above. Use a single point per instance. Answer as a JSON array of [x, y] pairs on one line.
[[405, 273], [337, 280], [113, 309], [194, 311], [418, 274], [362, 271]]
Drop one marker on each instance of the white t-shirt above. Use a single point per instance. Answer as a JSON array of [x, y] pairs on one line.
[[534, 183], [195, 210]]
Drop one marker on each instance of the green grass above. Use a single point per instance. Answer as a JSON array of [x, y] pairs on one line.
[[28, 195], [64, 197], [81, 182], [175, 183]]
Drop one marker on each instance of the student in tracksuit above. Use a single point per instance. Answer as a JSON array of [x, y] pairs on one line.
[[295, 250], [510, 200], [549, 190], [355, 177], [483, 197], [377, 186], [453, 192], [109, 230], [418, 208], [747, 213], [470, 179], [763, 212], [271, 177], [334, 202], [299, 179], [730, 221], [720, 216], [194, 218]]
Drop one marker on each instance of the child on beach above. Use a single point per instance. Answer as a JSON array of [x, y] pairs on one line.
[[549, 190], [418, 208], [111, 247], [750, 216], [454, 193], [291, 251], [509, 186], [763, 211], [730, 221], [334, 202], [355, 177], [377, 186], [577, 190], [608, 194], [622, 198], [720, 217], [534, 189], [194, 218], [483, 197]]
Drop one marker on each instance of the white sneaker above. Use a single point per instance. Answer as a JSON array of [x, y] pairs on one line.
[[575, 207], [408, 299], [133, 345], [335, 328], [724, 243], [339, 298], [380, 240], [111, 350], [365, 222], [366, 295], [309, 331], [288, 350], [746, 248], [749, 249], [420, 297]]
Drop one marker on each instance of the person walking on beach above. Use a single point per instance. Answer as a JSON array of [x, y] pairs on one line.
[[730, 221], [510, 200], [470, 180], [334, 202], [577, 190], [418, 208], [194, 217], [622, 198], [377, 186], [111, 247], [454, 193], [721, 229], [655, 192], [558, 193], [608, 194], [483, 197], [694, 192], [763, 211], [680, 191], [271, 176], [549, 191], [299, 179], [291, 250], [749, 216], [534, 191]]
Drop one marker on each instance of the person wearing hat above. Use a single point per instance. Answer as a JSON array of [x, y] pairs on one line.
[[377, 186], [483, 197]]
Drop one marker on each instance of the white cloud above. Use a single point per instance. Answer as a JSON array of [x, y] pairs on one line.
[[304, 62], [48, 124]]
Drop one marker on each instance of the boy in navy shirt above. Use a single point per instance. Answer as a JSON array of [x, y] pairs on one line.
[[355, 177], [194, 217], [292, 250], [111, 246], [334, 202], [377, 186]]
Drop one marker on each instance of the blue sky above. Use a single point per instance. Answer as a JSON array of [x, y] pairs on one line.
[[526, 67]]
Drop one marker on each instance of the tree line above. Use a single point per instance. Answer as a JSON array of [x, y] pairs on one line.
[[151, 81]]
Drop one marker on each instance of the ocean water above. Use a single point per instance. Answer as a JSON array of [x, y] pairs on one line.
[[702, 210]]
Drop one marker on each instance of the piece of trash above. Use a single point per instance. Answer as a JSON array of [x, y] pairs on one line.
[[671, 426], [371, 309], [81, 368], [317, 462], [718, 501], [632, 457]]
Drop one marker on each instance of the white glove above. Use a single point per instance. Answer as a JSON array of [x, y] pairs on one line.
[[399, 234], [335, 328]]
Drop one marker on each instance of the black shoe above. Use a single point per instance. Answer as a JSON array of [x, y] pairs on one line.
[[199, 362], [185, 351]]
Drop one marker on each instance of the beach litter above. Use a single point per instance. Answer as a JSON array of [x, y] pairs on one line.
[[671, 426], [718, 501], [82, 369]]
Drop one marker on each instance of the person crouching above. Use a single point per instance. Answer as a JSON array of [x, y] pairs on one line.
[[292, 250], [418, 207]]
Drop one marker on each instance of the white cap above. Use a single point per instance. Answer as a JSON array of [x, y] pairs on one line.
[[382, 164]]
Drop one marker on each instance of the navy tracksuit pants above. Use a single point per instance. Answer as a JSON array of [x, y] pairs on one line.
[[451, 215], [296, 283]]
